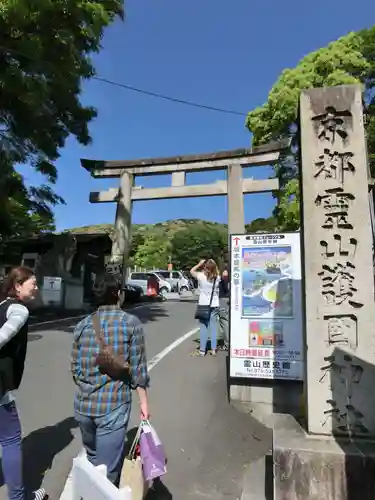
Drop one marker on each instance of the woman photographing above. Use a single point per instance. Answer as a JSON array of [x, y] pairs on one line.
[[18, 288], [207, 275]]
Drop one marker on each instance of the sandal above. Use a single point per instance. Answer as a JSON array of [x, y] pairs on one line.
[[197, 354]]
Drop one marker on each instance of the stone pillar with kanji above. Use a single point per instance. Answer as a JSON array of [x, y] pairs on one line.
[[337, 263]]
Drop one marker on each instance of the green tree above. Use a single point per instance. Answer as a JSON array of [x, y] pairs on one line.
[[268, 225], [198, 242], [45, 50], [24, 211], [137, 240], [351, 59], [153, 252]]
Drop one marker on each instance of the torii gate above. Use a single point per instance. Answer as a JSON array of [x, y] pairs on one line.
[[235, 186]]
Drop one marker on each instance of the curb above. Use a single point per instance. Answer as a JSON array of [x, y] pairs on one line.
[[57, 320]]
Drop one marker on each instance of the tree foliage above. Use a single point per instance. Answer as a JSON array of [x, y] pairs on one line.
[[137, 239], [153, 252], [185, 240], [351, 59], [198, 242], [45, 49], [269, 225], [24, 211]]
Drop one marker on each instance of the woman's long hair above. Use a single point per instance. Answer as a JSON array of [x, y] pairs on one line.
[[211, 270], [16, 276]]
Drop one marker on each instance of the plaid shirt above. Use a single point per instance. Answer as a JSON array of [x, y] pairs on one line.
[[97, 394]]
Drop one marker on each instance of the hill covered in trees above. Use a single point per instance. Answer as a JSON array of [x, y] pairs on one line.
[[184, 241]]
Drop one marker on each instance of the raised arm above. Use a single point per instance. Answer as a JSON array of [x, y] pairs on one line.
[[195, 270]]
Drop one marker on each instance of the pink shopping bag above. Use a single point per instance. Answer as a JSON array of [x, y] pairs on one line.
[[152, 453]]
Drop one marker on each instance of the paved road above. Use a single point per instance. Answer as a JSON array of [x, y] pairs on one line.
[[207, 441]]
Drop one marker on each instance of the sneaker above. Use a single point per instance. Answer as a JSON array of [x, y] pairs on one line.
[[223, 347], [40, 494], [197, 353]]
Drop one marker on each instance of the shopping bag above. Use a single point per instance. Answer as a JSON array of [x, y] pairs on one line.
[[132, 472], [152, 453]]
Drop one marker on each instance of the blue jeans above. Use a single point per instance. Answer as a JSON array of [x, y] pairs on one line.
[[104, 439], [224, 320], [11, 444], [209, 329]]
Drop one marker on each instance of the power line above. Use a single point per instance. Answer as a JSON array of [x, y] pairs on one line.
[[143, 91], [168, 98]]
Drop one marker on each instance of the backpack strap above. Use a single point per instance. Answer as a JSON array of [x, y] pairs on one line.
[[212, 292]]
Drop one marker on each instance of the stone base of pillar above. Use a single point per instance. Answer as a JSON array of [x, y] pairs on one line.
[[266, 397], [320, 468]]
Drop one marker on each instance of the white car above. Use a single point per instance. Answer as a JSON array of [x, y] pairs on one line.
[[140, 279], [178, 281]]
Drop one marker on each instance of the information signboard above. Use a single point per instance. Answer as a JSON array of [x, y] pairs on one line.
[[266, 309]]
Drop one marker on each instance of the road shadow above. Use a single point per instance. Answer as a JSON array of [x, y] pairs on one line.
[[146, 314], [39, 449], [158, 490], [151, 313]]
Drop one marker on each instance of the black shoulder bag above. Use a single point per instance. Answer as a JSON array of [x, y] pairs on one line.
[[203, 312]]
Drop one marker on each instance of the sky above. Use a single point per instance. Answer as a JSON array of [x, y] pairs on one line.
[[214, 52]]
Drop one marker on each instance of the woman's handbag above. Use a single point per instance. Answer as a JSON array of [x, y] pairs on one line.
[[203, 312], [109, 363]]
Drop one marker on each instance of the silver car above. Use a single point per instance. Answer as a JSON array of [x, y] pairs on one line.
[[140, 279], [178, 281]]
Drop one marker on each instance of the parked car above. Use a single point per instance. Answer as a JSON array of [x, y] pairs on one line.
[[132, 293], [140, 280], [179, 282]]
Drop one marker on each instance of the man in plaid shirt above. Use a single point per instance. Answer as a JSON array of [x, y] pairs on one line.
[[102, 406]]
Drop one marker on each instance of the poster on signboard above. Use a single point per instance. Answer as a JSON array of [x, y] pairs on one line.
[[267, 283], [266, 307]]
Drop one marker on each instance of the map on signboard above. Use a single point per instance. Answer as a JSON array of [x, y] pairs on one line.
[[267, 282]]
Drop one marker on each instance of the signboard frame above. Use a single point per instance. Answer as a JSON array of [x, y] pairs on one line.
[[265, 316]]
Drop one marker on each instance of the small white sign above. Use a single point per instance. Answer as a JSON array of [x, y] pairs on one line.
[[52, 283], [52, 290], [113, 268]]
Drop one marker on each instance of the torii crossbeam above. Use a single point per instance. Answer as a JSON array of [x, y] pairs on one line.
[[235, 186]]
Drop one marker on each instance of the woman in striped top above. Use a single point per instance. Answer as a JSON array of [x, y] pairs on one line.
[[18, 287]]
